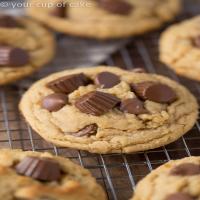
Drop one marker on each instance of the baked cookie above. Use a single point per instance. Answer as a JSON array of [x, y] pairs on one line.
[[103, 19], [180, 48], [109, 110], [25, 46], [40, 176], [175, 180]]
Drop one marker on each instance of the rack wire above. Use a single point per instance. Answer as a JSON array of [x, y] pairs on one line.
[[117, 173]]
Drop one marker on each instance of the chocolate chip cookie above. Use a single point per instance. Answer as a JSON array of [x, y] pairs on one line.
[[180, 48], [25, 46], [175, 180], [109, 110], [40, 176], [103, 19]]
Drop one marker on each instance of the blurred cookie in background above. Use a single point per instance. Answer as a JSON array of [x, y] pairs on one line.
[[103, 19], [25, 47], [180, 48]]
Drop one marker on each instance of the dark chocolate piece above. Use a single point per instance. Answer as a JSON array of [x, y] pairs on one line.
[[186, 169], [121, 7], [133, 106], [87, 131], [107, 79], [157, 92], [54, 102]]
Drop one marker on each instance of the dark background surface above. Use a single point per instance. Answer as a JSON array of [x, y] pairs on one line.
[[117, 173]]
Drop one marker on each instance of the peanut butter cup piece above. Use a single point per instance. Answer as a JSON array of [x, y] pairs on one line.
[[87, 131], [68, 84], [7, 21], [121, 7], [179, 196], [196, 41], [107, 79], [133, 106], [42, 169], [14, 57], [54, 102], [186, 169], [96, 103], [156, 92]]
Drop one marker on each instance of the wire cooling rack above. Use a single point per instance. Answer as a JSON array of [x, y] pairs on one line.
[[117, 173]]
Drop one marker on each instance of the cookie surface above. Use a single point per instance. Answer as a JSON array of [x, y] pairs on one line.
[[25, 46], [22, 171], [180, 48], [175, 180], [103, 118], [104, 19]]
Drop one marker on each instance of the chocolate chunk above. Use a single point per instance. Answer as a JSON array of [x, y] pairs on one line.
[[186, 169], [87, 131], [139, 70], [59, 10], [157, 92], [96, 103], [54, 102], [120, 7], [9, 22], [179, 196], [197, 41], [14, 57], [133, 106], [107, 79], [43, 169], [68, 84]]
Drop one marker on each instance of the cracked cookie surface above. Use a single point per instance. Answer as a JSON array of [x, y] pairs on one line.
[[105, 19], [175, 180], [128, 128], [180, 48], [74, 181], [31, 38]]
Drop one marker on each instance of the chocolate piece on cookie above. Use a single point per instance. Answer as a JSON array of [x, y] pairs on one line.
[[133, 106], [157, 92], [186, 169], [10, 56], [68, 84], [54, 102], [42, 169], [7, 21], [107, 79], [121, 7], [86, 131], [96, 103]]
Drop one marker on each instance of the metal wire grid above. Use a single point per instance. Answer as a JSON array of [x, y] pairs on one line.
[[118, 173]]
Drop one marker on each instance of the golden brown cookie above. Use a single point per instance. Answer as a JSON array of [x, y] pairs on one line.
[[25, 47], [38, 176], [175, 180], [109, 110], [103, 19], [180, 48]]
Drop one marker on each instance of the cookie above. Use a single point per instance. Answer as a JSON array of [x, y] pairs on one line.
[[32, 175], [103, 19], [175, 180], [109, 110], [180, 48], [25, 46]]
